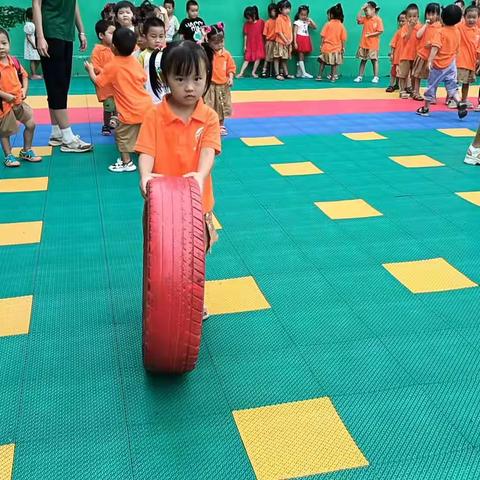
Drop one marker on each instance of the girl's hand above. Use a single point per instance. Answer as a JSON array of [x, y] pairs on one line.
[[198, 177], [88, 66], [42, 47], [144, 180], [295, 46], [9, 98], [230, 82], [24, 93]]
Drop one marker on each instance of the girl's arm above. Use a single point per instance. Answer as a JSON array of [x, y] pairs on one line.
[[244, 43], [31, 40], [42, 45], [360, 13], [295, 31], [145, 166], [313, 25], [81, 30], [421, 30], [8, 97], [24, 86], [284, 38], [374, 34], [205, 165]]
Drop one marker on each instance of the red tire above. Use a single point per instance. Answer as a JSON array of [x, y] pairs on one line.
[[174, 275]]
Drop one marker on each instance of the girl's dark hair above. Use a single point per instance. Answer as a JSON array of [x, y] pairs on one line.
[[272, 8], [251, 12], [302, 8], [107, 10], [374, 6], [182, 59], [124, 4], [433, 8], [336, 12], [29, 13], [215, 30], [283, 4], [2, 30]]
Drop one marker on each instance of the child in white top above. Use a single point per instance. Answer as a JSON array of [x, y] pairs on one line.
[[30, 51], [173, 23], [302, 42]]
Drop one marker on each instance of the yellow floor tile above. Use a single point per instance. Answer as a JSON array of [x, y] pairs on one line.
[[363, 136], [472, 197], [297, 168], [20, 233], [216, 223], [457, 132], [234, 295], [261, 141], [427, 276], [42, 151], [346, 209], [7, 453], [417, 161], [16, 185], [297, 439], [15, 314]]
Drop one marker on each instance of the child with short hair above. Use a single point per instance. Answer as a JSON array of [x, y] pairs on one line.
[[173, 23], [333, 38], [269, 34], [253, 46], [191, 27], [30, 48], [395, 51], [370, 41], [218, 96], [102, 55], [13, 91], [126, 78], [441, 62], [302, 42], [125, 15], [283, 40]]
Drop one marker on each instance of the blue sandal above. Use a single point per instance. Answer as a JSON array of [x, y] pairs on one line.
[[11, 161], [29, 156]]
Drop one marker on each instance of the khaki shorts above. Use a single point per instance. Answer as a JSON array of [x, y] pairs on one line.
[[420, 69], [269, 50], [282, 52], [404, 68], [366, 54], [126, 137], [465, 76], [333, 58], [22, 113], [219, 98]]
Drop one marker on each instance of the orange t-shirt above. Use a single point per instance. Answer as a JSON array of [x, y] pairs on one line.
[[283, 25], [10, 83], [126, 77], [370, 25], [409, 43], [176, 146], [333, 36], [447, 40], [269, 30], [425, 43], [101, 56], [223, 66], [396, 44], [469, 46]]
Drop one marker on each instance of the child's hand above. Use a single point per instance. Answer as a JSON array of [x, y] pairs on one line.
[[24, 93], [144, 180], [9, 98], [88, 67], [430, 65], [230, 82], [198, 177]]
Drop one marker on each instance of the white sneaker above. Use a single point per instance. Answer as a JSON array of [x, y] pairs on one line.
[[452, 104], [375, 80], [120, 167], [77, 146], [55, 141], [469, 104], [307, 75], [358, 79], [473, 156]]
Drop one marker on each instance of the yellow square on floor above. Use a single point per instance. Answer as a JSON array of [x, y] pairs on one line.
[[417, 161], [17, 185], [15, 314], [346, 209], [363, 136], [261, 141], [234, 295], [472, 197], [42, 151], [427, 276], [297, 439], [7, 453], [20, 233], [216, 223], [298, 168], [457, 132]]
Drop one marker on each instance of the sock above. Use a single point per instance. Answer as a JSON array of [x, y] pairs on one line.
[[301, 66], [67, 135], [56, 132]]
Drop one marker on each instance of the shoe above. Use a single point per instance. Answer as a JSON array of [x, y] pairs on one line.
[[106, 131], [223, 131], [469, 104], [11, 162], [452, 104], [423, 112], [375, 80], [55, 141], [307, 75], [404, 95], [115, 122], [477, 108], [29, 156], [36, 77], [390, 89], [77, 146], [120, 167], [358, 79], [462, 110], [473, 156]]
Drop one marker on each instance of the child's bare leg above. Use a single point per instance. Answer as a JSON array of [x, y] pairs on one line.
[[334, 72], [28, 135], [276, 66], [254, 69], [285, 67], [106, 118], [375, 68], [465, 89], [33, 67], [402, 82], [242, 70], [6, 145], [126, 158], [416, 86], [363, 64]]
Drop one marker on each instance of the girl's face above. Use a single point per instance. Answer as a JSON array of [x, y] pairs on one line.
[[169, 8], [471, 18], [188, 90], [303, 15], [432, 17], [125, 17], [402, 20], [273, 14], [193, 12], [250, 20], [108, 35], [286, 11], [369, 11], [217, 43], [4, 46]]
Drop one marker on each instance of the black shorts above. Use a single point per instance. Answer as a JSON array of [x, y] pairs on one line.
[[57, 72]]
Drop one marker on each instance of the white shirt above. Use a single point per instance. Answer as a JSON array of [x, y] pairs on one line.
[[302, 27]]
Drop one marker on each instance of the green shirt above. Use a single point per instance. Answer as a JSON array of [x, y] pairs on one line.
[[58, 19]]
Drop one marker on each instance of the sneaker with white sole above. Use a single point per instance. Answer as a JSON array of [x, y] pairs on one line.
[[307, 75], [76, 146], [55, 141], [375, 80], [473, 156], [358, 79], [120, 167], [452, 104]]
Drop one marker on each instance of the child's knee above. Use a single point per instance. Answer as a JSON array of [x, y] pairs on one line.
[[30, 125]]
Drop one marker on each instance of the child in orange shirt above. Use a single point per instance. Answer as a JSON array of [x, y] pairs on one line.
[[102, 54], [395, 51], [370, 41], [218, 96], [441, 62], [283, 40], [333, 38], [125, 76], [270, 35]]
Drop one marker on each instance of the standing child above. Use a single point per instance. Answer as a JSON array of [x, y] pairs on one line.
[[173, 23], [218, 96], [191, 27], [269, 34], [30, 49], [126, 78], [301, 38], [13, 91], [125, 15], [441, 62], [395, 50], [333, 38], [253, 45], [370, 41], [283, 40]]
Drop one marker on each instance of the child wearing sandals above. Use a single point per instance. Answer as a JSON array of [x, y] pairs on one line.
[[370, 40], [442, 62], [253, 47], [333, 36], [395, 51], [270, 35], [283, 40], [218, 96], [302, 42], [13, 109]]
